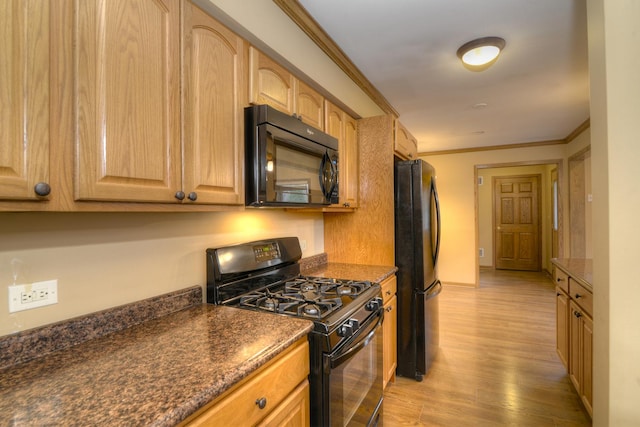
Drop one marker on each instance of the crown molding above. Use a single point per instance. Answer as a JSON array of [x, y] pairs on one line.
[[298, 14]]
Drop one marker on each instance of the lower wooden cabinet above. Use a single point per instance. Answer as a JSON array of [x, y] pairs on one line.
[[581, 354], [277, 394], [293, 412], [562, 326], [574, 332], [389, 333]]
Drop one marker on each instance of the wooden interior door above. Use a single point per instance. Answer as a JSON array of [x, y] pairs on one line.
[[517, 222]]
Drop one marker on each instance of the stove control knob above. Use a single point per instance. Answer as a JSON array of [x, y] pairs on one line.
[[373, 304], [354, 324], [345, 330]]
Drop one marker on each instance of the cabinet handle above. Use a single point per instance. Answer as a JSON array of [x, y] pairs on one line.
[[193, 196], [389, 309], [262, 402], [180, 195], [559, 279], [42, 189], [346, 205], [578, 296], [388, 292], [577, 314]]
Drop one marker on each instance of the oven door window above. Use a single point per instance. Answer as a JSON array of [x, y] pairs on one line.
[[355, 385]]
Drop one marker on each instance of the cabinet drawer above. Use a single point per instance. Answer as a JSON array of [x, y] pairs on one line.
[[561, 279], [389, 286], [582, 296], [273, 384]]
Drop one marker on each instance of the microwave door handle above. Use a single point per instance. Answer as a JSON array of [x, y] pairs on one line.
[[326, 176]]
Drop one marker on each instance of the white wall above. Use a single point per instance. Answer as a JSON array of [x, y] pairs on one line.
[[614, 61], [103, 260], [456, 188]]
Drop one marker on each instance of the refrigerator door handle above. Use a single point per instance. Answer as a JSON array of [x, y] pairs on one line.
[[434, 195], [432, 290]]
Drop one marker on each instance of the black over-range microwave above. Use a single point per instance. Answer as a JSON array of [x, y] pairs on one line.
[[288, 163]]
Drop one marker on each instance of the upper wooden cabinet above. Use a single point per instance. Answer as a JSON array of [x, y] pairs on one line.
[[272, 84], [343, 127], [135, 140], [309, 105], [24, 99], [214, 97], [405, 145], [127, 65], [269, 82]]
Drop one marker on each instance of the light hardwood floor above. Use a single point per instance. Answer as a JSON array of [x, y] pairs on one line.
[[497, 364]]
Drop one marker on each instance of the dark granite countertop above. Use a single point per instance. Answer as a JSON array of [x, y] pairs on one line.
[[154, 374], [580, 269], [373, 273]]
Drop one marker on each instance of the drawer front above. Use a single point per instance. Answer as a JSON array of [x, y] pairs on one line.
[[582, 296], [389, 287], [561, 279], [273, 384]]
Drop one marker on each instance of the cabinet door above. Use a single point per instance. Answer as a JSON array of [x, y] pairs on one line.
[[293, 412], [405, 144], [587, 363], [389, 341], [350, 146], [127, 70], [562, 326], [339, 125], [269, 82], [24, 97], [213, 110], [309, 105], [575, 352]]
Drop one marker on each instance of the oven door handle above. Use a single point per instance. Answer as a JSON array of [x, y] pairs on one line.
[[342, 356]]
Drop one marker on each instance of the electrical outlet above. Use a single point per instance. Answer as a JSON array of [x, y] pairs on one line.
[[481, 252], [37, 294], [303, 244]]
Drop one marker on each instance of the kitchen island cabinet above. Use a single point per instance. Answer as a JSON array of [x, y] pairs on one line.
[[158, 372], [574, 314]]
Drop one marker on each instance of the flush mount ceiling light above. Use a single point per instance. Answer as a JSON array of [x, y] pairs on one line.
[[480, 54]]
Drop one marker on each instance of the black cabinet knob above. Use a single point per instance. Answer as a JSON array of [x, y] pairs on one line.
[[262, 402], [42, 189], [180, 195], [193, 196]]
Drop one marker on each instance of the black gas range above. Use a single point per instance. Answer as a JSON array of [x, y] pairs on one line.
[[345, 344]]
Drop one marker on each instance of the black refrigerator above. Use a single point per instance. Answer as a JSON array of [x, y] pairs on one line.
[[417, 243]]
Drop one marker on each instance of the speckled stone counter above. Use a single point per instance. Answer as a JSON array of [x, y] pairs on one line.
[[373, 273], [152, 374], [581, 270]]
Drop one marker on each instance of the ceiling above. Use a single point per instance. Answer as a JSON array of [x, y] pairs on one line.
[[537, 91]]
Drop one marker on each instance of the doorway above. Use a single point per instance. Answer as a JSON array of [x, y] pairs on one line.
[[516, 228], [485, 237]]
